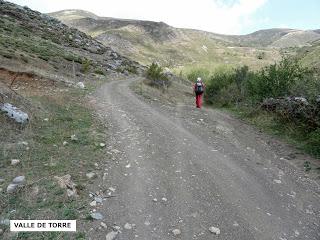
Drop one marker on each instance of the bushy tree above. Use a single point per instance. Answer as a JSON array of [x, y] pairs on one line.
[[157, 77], [195, 73], [275, 80]]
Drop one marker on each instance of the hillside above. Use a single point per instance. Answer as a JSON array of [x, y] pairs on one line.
[[43, 42], [148, 41], [47, 73], [310, 55]]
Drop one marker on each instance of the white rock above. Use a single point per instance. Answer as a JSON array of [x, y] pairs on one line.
[[116, 228], [102, 144], [1, 231], [147, 223], [93, 204], [128, 226], [155, 200], [14, 113], [80, 85], [90, 175], [74, 137], [104, 225], [5, 222], [214, 230], [19, 180], [112, 189], [111, 235], [11, 188], [128, 166], [277, 181], [46, 119], [97, 216], [15, 162], [176, 232], [98, 199], [164, 199], [64, 143]]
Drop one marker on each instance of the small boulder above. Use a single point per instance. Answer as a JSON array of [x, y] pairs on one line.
[[74, 138], [98, 199], [128, 226], [5, 222], [96, 216], [111, 235], [19, 180], [15, 113], [80, 85], [214, 230], [90, 175], [104, 225], [176, 232], [15, 162], [12, 188]]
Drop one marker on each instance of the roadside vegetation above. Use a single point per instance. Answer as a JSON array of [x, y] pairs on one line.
[[157, 77], [62, 138], [282, 98]]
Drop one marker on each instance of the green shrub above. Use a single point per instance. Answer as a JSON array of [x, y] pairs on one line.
[[314, 143], [99, 71], [131, 69], [157, 77], [226, 86], [194, 74], [86, 65], [219, 81], [308, 86], [275, 80]]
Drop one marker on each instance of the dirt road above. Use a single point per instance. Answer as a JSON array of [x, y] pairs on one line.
[[184, 169]]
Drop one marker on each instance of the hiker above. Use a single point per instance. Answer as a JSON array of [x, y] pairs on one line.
[[198, 90]]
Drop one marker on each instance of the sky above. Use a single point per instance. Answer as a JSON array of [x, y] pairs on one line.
[[219, 16]]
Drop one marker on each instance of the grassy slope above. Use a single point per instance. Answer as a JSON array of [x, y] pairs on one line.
[[310, 55], [45, 157]]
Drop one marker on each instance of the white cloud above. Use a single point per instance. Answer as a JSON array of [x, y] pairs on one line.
[[220, 16]]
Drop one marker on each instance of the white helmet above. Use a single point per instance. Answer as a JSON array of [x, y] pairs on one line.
[[199, 79]]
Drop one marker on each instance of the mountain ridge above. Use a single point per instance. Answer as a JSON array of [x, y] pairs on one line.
[[64, 15], [148, 41]]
